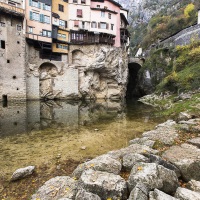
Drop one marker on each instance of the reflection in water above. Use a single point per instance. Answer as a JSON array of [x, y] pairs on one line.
[[35, 132]]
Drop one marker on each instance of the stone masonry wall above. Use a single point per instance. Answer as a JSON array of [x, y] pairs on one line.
[[12, 59]]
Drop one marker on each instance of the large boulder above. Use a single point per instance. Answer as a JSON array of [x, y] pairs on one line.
[[139, 192], [129, 160], [187, 158], [165, 133], [83, 195], [102, 163], [159, 195], [185, 194], [134, 148], [22, 173], [153, 176], [57, 188], [105, 185], [143, 141], [157, 159], [194, 185]]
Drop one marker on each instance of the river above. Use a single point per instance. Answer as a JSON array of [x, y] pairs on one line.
[[37, 133]]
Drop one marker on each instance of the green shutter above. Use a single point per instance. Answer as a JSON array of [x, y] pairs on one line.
[[39, 5], [41, 18], [30, 2], [43, 6], [31, 15]]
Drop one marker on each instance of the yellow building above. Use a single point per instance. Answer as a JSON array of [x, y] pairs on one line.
[[60, 31]]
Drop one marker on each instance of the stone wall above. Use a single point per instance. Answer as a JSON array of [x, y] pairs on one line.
[[12, 59], [183, 37]]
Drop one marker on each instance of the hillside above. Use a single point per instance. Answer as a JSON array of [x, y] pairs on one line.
[[153, 20]]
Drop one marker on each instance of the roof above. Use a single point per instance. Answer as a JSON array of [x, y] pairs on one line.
[[112, 1], [124, 18]]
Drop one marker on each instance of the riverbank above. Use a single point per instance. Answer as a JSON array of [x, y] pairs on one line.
[[114, 175]]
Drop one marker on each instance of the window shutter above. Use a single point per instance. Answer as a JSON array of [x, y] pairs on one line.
[[39, 5], [65, 24], [30, 2], [43, 6], [41, 18], [107, 26], [31, 15], [99, 25]]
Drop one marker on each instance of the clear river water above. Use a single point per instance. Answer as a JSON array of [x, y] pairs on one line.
[[36, 132]]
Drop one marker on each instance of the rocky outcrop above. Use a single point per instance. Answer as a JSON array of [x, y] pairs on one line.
[[22, 173], [60, 187], [153, 176], [185, 194], [187, 158], [104, 184], [102, 163]]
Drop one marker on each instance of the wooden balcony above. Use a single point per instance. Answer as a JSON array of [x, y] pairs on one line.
[[11, 9], [38, 37]]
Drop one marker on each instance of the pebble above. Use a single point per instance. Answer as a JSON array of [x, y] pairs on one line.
[[83, 147]]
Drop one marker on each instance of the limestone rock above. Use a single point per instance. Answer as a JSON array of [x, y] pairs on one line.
[[153, 176], [83, 195], [159, 195], [57, 188], [129, 160], [101, 163], [165, 133], [134, 148], [158, 160], [183, 96], [187, 158], [194, 185], [22, 173], [195, 141], [184, 116], [140, 192], [143, 141], [185, 194], [105, 185]]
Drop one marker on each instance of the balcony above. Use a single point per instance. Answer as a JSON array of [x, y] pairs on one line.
[[11, 9], [38, 37]]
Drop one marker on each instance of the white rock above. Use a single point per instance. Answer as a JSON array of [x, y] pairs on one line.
[[22, 173]]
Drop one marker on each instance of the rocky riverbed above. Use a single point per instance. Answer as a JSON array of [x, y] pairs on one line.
[[154, 172]]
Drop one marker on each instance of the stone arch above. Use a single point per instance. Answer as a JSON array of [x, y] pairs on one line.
[[77, 57], [47, 73]]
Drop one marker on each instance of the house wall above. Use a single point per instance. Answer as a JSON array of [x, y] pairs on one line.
[[115, 19], [199, 17], [37, 25], [73, 14], [12, 59]]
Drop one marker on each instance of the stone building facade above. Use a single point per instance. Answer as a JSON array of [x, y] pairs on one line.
[[45, 56]]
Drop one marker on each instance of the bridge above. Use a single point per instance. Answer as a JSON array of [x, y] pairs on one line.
[[136, 60]]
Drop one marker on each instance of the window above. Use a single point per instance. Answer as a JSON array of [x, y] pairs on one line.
[[79, 13], [36, 4], [76, 23], [109, 16], [61, 46], [62, 35], [75, 1], [46, 19], [98, 6], [2, 24], [102, 14], [60, 7], [103, 25], [61, 23], [93, 25], [30, 29], [112, 27], [19, 27], [83, 1], [34, 16], [2, 44], [46, 33], [46, 7]]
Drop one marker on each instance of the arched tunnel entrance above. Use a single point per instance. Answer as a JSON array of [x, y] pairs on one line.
[[132, 89]]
